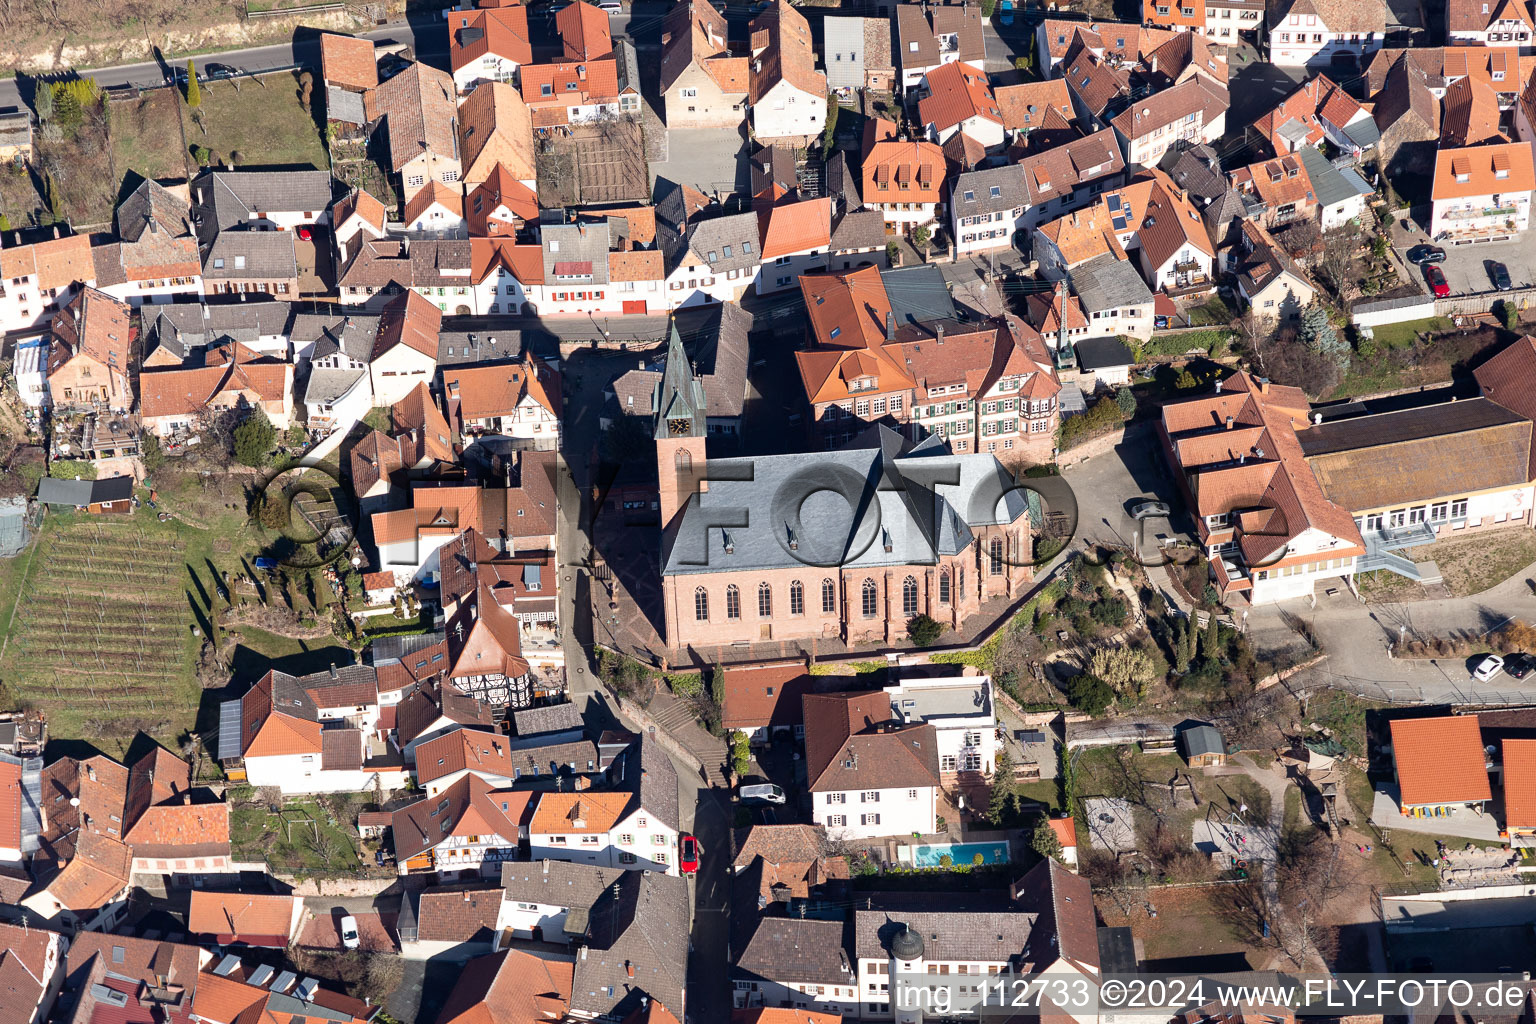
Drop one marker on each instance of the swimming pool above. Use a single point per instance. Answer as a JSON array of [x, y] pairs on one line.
[[959, 854]]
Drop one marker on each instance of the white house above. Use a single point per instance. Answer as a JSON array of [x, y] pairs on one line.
[[712, 260], [957, 99], [405, 351], [437, 211], [1193, 111], [1481, 193], [959, 707], [1341, 192], [799, 963], [37, 280], [787, 96], [986, 208], [1305, 32], [1489, 23], [796, 241], [519, 400], [635, 829], [471, 827], [868, 780]]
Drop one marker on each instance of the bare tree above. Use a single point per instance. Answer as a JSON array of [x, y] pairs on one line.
[[1337, 262]]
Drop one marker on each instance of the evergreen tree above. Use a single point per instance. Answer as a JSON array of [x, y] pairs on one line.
[[829, 133], [254, 439], [1180, 648], [194, 93], [1318, 333], [1212, 637], [1044, 840], [42, 100], [1001, 802]]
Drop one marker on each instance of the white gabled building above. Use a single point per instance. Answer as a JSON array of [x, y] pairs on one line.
[[869, 780], [786, 94], [1320, 32]]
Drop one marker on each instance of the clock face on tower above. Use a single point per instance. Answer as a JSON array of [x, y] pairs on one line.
[[680, 427]]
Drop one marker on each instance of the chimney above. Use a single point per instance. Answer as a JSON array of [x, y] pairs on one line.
[[629, 969], [940, 337], [1153, 66], [333, 670], [1229, 422], [1263, 386], [890, 325]]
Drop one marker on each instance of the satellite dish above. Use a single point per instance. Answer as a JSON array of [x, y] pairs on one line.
[[356, 561], [74, 801]]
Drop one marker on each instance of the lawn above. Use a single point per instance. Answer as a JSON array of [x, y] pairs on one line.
[[1404, 334], [257, 122], [146, 135], [305, 835], [1469, 565]]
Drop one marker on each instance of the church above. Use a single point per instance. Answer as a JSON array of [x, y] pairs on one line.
[[844, 545]]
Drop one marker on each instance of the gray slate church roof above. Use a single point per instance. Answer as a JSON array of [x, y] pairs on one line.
[[868, 504]]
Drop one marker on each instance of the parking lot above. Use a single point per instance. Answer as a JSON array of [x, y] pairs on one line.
[[1466, 269]]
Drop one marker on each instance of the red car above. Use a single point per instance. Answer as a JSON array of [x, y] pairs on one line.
[[689, 861], [1437, 283], [304, 234]]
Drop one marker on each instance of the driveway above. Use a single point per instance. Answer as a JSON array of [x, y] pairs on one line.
[[1466, 266], [1107, 485]]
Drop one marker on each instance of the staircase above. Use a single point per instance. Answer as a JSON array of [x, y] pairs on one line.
[[675, 717], [1388, 560]]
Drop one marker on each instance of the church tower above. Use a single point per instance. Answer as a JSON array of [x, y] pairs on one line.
[[681, 426]]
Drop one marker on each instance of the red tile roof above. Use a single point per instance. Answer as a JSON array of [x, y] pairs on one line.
[[584, 32], [956, 93], [796, 227], [1483, 170], [253, 918], [1519, 784], [1440, 760], [502, 32], [348, 61]]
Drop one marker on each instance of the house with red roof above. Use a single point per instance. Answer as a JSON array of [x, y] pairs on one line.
[[437, 211], [500, 206], [786, 94], [469, 826], [956, 98], [904, 180], [405, 349], [703, 84], [172, 400], [868, 775], [797, 237], [31, 973], [1440, 765], [488, 44], [519, 399], [358, 212], [245, 918], [509, 987]]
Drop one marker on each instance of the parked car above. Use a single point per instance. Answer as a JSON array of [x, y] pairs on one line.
[[1489, 667], [688, 859], [1426, 254], [217, 72], [1498, 273], [349, 937], [305, 234], [1150, 510], [610, 6], [1437, 282], [766, 793], [1005, 13], [1519, 664]]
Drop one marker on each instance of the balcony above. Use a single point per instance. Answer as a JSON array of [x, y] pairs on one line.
[[1486, 212]]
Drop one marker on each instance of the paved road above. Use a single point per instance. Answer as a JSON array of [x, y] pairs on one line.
[[426, 36], [1356, 637]]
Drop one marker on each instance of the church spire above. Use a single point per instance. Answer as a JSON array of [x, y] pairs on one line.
[[680, 403]]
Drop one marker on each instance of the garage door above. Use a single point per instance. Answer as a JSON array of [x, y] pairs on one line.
[[635, 307]]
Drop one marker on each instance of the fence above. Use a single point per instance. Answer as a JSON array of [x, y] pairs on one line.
[[1483, 302], [1401, 310], [283, 12]]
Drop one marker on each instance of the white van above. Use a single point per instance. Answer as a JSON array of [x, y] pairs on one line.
[[767, 793]]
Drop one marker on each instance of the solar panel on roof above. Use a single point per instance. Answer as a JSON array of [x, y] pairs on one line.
[[1113, 201], [1119, 223]]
